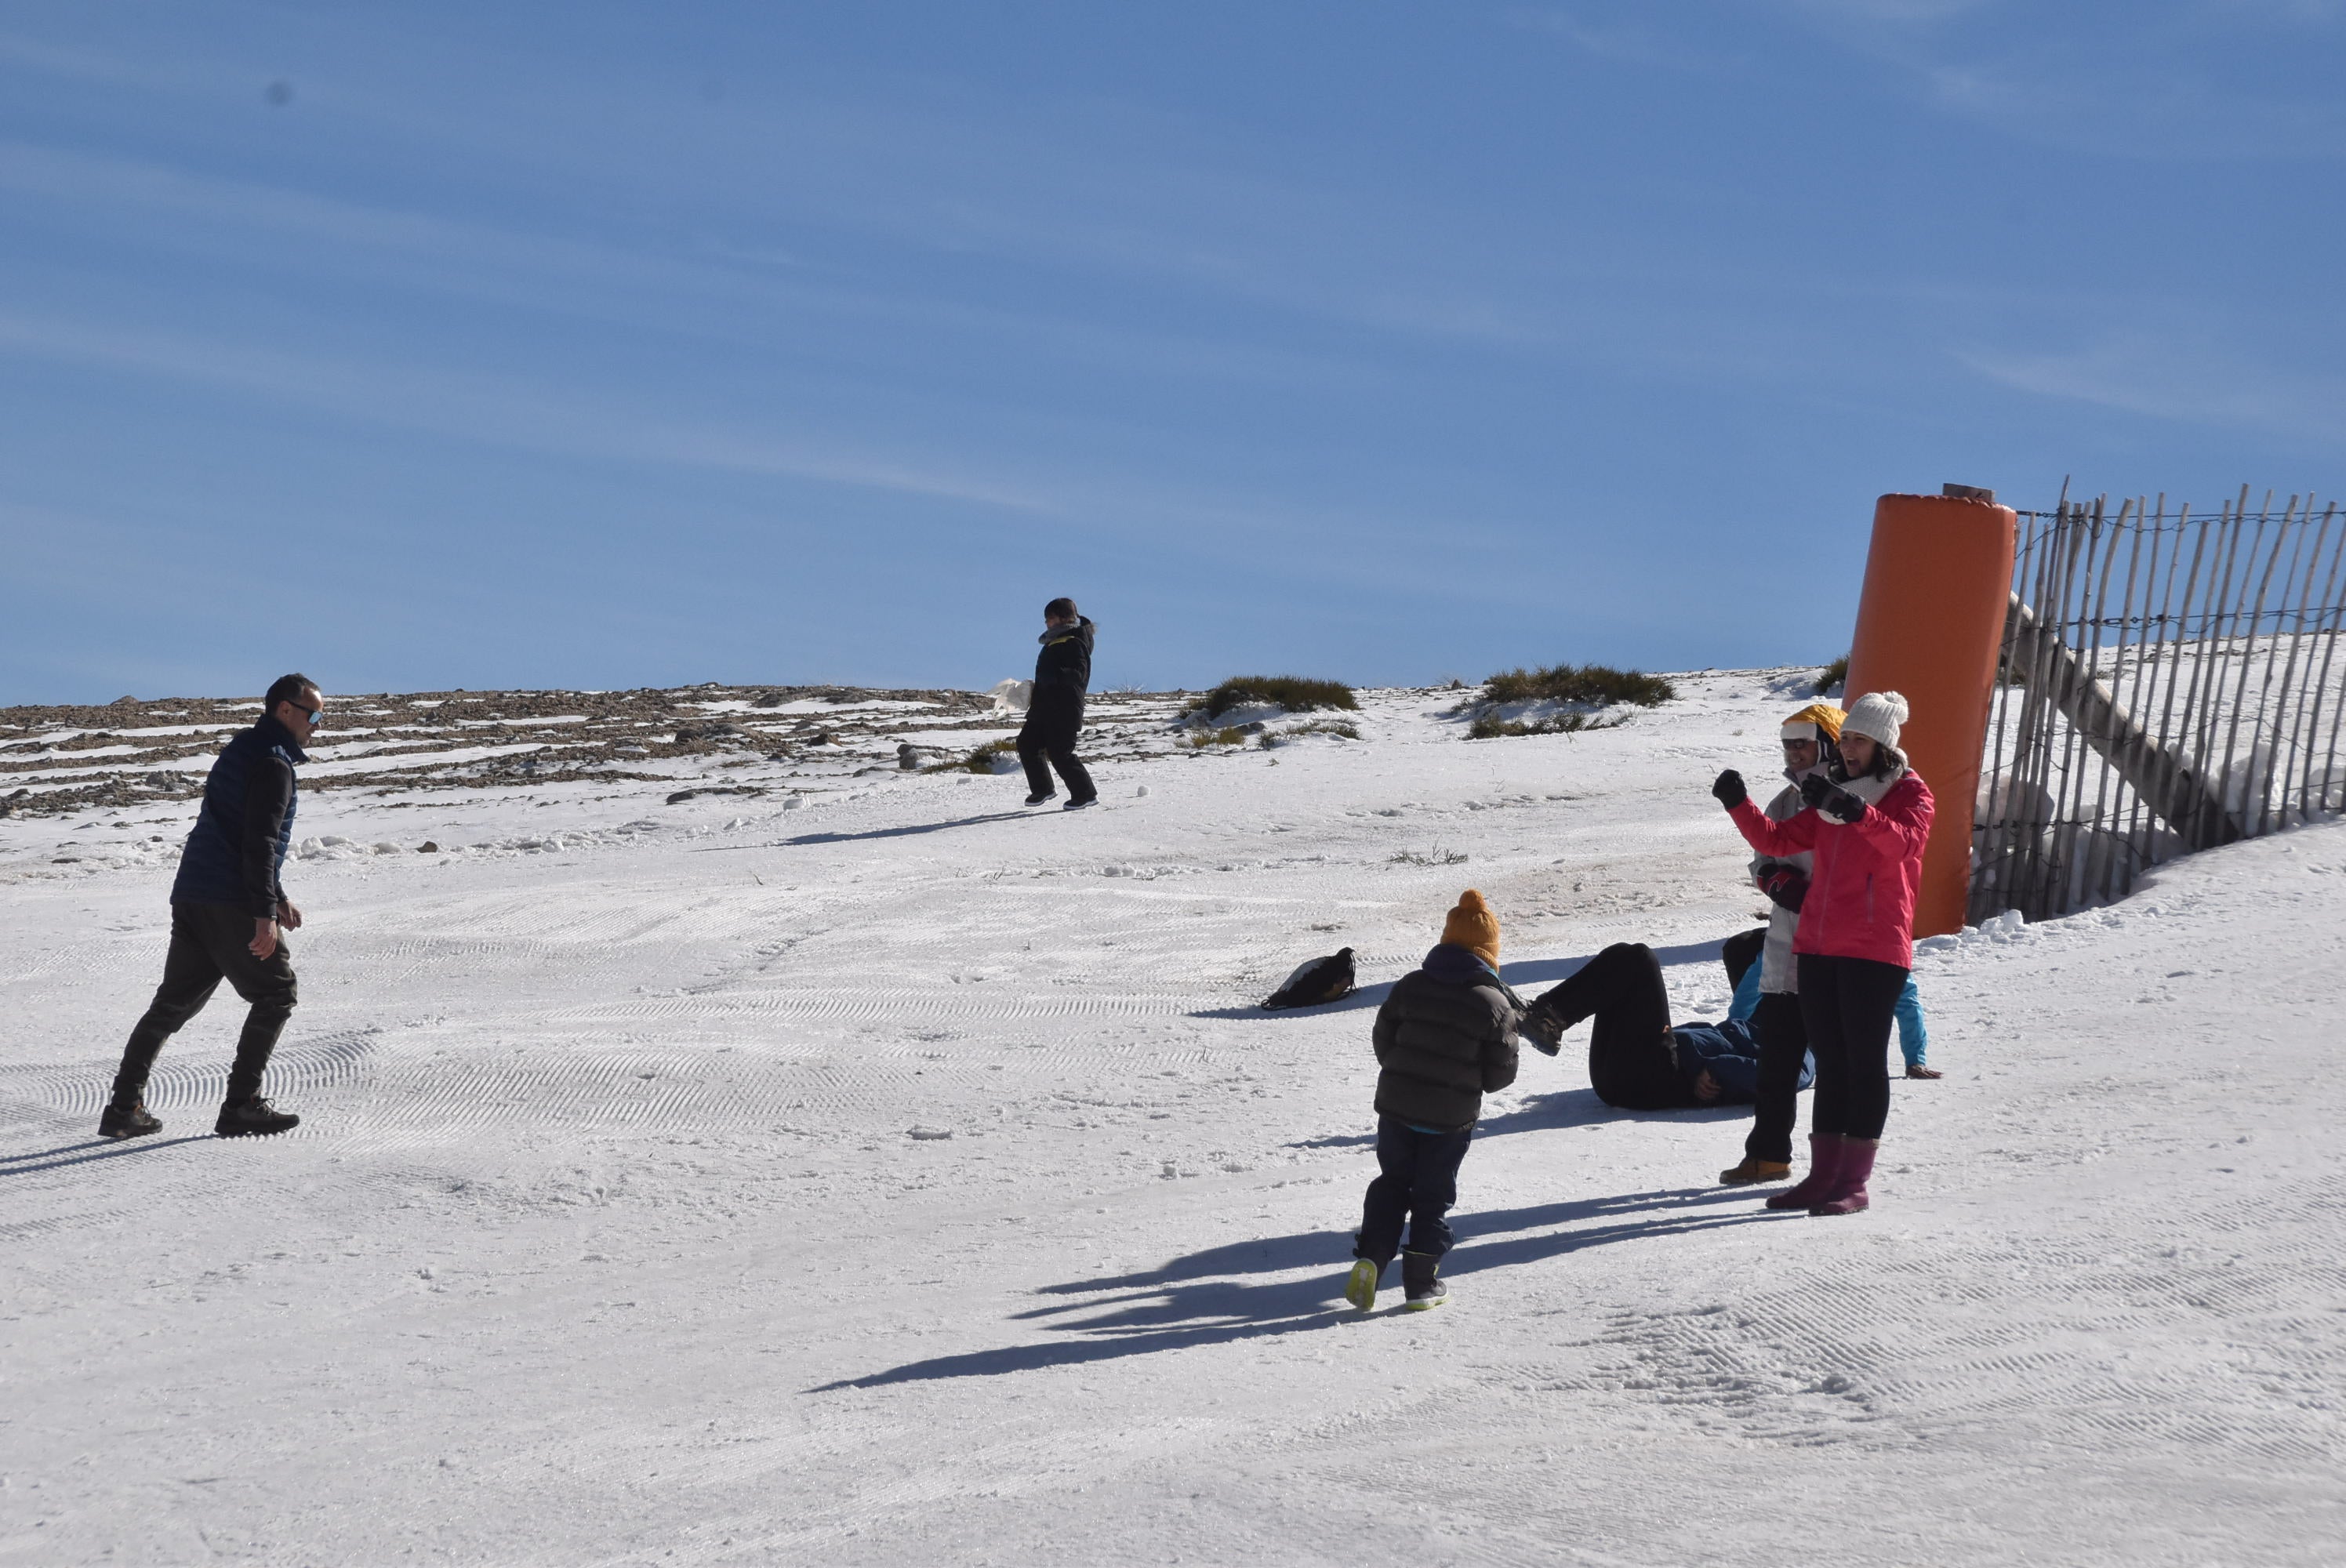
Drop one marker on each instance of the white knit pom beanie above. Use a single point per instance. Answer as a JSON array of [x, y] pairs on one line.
[[1878, 714]]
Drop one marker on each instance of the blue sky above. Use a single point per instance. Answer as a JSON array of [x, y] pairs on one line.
[[592, 344]]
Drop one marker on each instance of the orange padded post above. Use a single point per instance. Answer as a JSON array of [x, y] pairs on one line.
[[1938, 580]]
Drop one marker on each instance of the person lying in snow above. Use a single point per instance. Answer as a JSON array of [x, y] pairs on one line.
[[1445, 1036], [1637, 1059]]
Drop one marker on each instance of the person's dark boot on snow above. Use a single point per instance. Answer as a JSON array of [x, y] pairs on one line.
[[134, 1121], [1423, 1290], [1055, 714], [229, 914], [1445, 1037], [1866, 820]]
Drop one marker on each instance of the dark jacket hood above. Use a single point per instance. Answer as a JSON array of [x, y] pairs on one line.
[[1457, 965]]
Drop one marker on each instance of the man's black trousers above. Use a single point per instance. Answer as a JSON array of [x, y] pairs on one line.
[[1053, 718], [211, 942], [1631, 1062], [1417, 1179], [1783, 1045], [1847, 1004]]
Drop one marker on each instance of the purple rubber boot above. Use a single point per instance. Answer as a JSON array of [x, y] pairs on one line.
[[1847, 1193], [1824, 1159]]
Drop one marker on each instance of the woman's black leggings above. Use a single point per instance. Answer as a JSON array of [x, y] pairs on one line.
[[1847, 1005]]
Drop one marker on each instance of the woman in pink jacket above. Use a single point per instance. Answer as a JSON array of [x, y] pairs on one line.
[[1867, 821]]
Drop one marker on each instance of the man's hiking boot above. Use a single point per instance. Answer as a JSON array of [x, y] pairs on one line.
[[1361, 1287], [253, 1118], [1080, 801], [1544, 1029], [1753, 1170], [1421, 1287], [134, 1122], [1046, 795]]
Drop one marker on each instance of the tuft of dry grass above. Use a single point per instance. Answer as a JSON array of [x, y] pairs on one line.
[[1489, 727]]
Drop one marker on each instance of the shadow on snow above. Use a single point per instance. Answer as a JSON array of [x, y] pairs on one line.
[[1203, 1298], [1530, 971], [98, 1149]]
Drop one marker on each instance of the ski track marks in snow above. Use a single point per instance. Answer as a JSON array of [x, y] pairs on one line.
[[893, 1177]]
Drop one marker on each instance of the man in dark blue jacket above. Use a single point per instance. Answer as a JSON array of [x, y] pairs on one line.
[[229, 911], [1063, 672]]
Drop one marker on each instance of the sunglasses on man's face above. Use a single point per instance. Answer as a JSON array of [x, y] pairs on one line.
[[317, 715]]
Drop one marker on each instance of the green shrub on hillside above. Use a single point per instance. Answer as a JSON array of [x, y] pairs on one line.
[[1490, 726], [1291, 692], [1599, 685]]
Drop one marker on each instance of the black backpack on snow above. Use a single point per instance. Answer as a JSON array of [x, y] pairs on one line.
[[1322, 980]]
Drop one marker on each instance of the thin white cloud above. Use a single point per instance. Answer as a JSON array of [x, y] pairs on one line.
[[525, 417], [2136, 373]]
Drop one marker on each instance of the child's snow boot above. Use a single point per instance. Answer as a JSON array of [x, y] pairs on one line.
[[1360, 1288], [1754, 1170], [1423, 1290], [1824, 1159], [117, 1122], [1847, 1193]]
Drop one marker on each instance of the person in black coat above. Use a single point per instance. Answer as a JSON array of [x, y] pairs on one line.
[[1445, 1036], [1054, 715], [229, 914]]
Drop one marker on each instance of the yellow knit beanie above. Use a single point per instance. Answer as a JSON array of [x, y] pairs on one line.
[[1472, 926], [1818, 716]]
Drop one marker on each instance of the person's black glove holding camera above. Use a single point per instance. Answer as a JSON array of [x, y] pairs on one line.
[[1728, 789], [1832, 800]]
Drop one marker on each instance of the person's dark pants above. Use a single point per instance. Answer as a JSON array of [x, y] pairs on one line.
[[1053, 718], [1741, 952], [211, 942], [1418, 1180], [1631, 1061], [1847, 1005], [1783, 1046]]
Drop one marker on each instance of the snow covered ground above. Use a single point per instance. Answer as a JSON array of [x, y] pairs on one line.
[[871, 1172]]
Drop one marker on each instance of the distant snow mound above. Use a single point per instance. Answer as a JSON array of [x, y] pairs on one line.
[[1012, 695]]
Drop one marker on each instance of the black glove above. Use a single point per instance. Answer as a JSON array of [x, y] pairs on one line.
[[1785, 888], [1728, 789], [1832, 799]]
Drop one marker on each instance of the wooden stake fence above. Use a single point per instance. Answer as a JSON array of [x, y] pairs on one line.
[[2169, 683]]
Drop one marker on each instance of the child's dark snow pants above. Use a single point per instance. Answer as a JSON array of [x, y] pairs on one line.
[[1417, 1179]]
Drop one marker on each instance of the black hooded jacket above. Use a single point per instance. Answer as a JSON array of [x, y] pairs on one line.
[[1066, 662], [1445, 1037]]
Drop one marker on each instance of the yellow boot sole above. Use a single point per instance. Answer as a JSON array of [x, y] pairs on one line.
[[1361, 1289]]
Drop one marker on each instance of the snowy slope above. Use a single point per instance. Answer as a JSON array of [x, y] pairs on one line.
[[623, 1228]]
